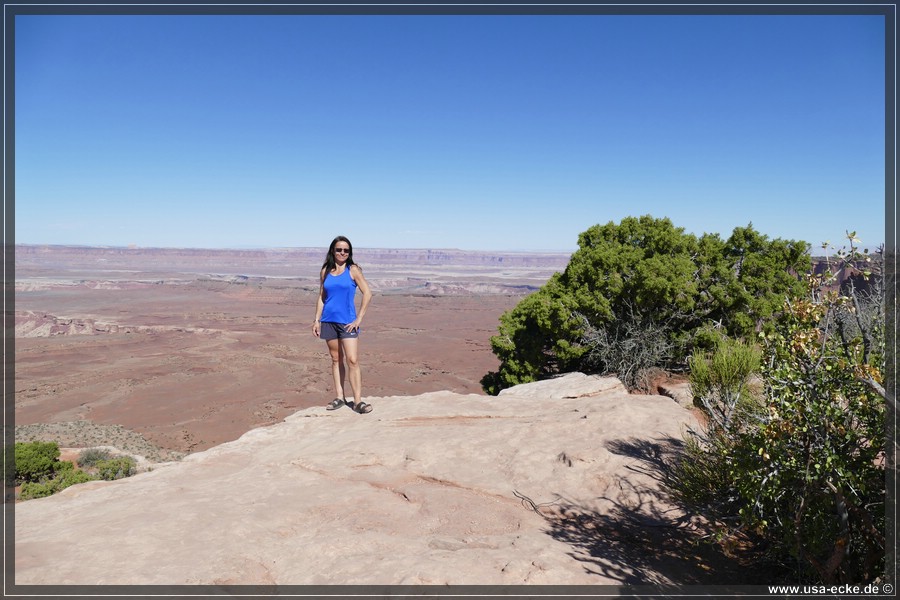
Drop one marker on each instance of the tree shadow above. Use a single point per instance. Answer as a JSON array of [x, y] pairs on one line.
[[651, 538]]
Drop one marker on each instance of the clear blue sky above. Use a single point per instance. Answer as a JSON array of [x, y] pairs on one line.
[[472, 132]]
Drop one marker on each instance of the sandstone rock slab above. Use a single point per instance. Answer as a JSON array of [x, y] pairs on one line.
[[440, 488]]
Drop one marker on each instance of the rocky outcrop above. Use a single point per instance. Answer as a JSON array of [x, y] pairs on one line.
[[440, 488], [30, 324], [679, 391]]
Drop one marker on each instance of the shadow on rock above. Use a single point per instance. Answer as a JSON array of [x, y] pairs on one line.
[[649, 538]]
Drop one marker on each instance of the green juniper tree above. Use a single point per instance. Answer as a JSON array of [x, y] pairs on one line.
[[641, 280]]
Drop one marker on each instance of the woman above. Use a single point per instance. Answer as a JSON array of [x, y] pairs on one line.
[[337, 321]]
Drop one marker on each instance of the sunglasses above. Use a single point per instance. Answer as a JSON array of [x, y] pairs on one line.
[[342, 251]]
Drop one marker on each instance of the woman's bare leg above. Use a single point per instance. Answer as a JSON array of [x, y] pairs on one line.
[[350, 349], [337, 366]]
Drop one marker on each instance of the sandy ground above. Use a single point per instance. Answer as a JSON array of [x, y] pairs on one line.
[[192, 362]]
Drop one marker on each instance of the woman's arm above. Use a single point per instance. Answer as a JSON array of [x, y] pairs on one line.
[[356, 274], [320, 303]]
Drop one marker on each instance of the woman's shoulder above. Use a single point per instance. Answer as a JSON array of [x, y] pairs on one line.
[[355, 270]]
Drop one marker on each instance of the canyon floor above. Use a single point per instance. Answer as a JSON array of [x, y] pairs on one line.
[[170, 352]]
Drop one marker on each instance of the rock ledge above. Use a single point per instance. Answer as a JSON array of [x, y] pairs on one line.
[[440, 488]]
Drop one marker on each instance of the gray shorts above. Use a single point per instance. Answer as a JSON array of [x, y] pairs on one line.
[[336, 331]]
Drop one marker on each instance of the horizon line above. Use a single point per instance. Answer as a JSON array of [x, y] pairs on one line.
[[228, 248]]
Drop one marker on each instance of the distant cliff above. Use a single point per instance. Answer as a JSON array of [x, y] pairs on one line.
[[420, 271], [406, 271], [283, 260]]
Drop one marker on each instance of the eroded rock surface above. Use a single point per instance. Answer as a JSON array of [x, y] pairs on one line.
[[440, 488]]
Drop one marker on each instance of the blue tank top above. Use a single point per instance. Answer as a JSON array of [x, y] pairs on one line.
[[340, 293]]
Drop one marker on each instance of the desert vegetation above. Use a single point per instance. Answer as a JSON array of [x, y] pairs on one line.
[[85, 434], [40, 472], [786, 364], [802, 463], [642, 294]]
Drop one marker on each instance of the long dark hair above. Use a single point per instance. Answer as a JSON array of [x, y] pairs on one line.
[[330, 263]]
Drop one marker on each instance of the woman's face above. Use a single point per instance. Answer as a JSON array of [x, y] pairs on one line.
[[341, 252]]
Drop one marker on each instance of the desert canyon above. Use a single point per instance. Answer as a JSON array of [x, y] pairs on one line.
[[203, 364], [192, 348]]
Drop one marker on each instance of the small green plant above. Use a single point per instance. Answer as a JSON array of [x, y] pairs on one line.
[[35, 460], [41, 473], [116, 468], [720, 381], [91, 456], [105, 465], [66, 477], [700, 480]]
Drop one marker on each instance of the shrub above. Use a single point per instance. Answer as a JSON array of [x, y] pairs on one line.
[[115, 468], [91, 456], [43, 474], [106, 466], [812, 475], [35, 460], [536, 339], [702, 477], [641, 279], [65, 478], [631, 349], [808, 472], [720, 382]]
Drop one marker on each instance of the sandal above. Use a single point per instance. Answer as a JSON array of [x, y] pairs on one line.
[[363, 408], [335, 404]]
